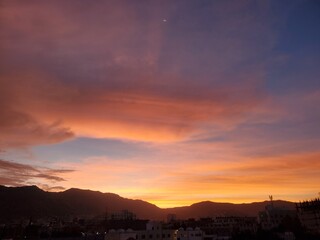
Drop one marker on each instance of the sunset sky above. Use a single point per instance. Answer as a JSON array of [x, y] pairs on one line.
[[169, 101]]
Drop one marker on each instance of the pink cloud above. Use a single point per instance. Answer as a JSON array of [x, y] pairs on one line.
[[101, 79]]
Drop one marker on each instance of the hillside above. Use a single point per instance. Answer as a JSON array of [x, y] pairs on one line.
[[30, 201], [209, 209]]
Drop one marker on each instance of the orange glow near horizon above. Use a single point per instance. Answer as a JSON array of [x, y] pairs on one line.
[[195, 181]]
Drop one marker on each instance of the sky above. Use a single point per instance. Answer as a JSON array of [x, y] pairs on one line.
[[173, 102]]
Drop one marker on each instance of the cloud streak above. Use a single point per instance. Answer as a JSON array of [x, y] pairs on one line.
[[17, 174]]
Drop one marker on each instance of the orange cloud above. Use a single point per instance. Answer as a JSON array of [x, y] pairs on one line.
[[136, 114], [109, 81], [18, 126]]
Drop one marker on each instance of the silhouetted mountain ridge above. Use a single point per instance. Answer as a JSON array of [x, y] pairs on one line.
[[31, 201], [208, 209]]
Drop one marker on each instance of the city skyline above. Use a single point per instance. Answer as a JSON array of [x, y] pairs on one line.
[[172, 102]]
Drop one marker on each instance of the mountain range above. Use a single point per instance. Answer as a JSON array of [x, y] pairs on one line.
[[31, 201]]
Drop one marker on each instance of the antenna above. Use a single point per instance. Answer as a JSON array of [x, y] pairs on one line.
[[271, 199]]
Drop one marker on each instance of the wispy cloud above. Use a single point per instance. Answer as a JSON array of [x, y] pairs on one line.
[[17, 174]]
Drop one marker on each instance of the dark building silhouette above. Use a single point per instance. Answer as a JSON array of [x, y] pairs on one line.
[[309, 215]]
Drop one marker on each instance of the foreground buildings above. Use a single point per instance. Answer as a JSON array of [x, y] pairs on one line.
[[276, 223], [309, 215]]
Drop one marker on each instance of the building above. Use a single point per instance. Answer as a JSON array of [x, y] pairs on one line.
[[309, 215], [273, 216], [188, 234], [154, 231], [225, 226], [120, 234]]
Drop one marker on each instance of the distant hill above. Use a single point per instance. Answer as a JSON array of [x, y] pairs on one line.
[[209, 209], [30, 201]]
